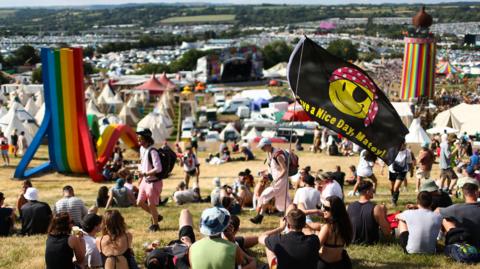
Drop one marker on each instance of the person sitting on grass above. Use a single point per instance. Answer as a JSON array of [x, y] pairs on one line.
[[351, 178], [21, 198], [367, 217], [244, 242], [419, 228], [175, 254], [307, 198], [440, 198], [91, 225], [120, 196], [102, 197], [241, 191], [7, 218], [36, 215], [184, 196], [329, 186], [213, 251], [335, 235], [247, 153], [62, 245], [293, 249], [71, 204], [466, 215]]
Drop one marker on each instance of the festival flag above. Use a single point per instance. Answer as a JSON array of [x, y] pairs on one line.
[[342, 97]]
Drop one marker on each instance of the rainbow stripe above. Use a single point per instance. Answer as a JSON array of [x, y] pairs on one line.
[[71, 149], [418, 68]]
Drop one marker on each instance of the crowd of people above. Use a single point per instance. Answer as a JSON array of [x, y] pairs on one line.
[[315, 227]]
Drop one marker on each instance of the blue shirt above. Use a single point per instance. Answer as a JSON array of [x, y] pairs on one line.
[[474, 160]]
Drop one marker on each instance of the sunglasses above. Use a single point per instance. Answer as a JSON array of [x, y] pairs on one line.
[[326, 208]]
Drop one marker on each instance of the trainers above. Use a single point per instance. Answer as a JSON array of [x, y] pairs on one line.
[[257, 219], [163, 202], [154, 228]]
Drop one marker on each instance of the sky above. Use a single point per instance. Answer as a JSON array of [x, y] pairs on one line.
[[37, 3]]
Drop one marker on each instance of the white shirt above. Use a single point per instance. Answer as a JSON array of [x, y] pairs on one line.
[[309, 196], [190, 162], [364, 168], [92, 255], [146, 166], [403, 159], [332, 189]]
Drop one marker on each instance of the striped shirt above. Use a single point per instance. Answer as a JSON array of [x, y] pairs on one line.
[[73, 206]]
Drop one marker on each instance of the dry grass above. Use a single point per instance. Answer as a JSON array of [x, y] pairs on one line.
[[28, 252]]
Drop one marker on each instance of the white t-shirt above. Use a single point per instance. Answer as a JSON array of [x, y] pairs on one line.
[[423, 228], [309, 196], [332, 189], [364, 168], [190, 162], [403, 159], [92, 255], [183, 197]]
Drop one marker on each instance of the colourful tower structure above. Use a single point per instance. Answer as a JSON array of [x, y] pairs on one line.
[[419, 59]]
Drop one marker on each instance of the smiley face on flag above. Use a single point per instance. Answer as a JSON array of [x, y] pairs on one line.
[[353, 93]]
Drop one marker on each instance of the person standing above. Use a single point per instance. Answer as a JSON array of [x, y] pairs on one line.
[[277, 163], [151, 186], [365, 169], [14, 142], [317, 140], [4, 149], [191, 166], [426, 158], [447, 174], [22, 143], [397, 172], [72, 205]]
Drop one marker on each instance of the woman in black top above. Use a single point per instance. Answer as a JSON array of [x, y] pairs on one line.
[[62, 246]]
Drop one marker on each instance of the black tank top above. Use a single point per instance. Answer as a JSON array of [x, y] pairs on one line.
[[365, 227], [58, 254]]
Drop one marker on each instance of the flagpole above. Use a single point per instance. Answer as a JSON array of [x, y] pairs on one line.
[[291, 124]]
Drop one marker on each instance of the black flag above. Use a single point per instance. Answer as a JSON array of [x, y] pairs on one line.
[[342, 97]]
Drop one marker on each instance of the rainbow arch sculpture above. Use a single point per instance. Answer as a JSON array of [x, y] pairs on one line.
[[70, 145]]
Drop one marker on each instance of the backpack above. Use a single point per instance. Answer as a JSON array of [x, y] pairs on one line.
[[463, 252], [292, 165], [173, 256], [168, 158]]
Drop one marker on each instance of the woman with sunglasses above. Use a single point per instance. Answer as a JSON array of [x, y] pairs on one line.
[[334, 235], [62, 245]]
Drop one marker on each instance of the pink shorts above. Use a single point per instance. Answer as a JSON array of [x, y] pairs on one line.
[[150, 192]]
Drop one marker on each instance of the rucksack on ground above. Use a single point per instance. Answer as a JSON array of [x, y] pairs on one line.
[[292, 165], [168, 158], [463, 252]]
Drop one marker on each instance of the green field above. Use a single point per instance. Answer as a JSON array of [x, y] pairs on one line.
[[4, 13], [199, 19]]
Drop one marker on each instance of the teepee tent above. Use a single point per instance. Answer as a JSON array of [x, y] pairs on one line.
[[93, 110], [128, 116], [251, 135], [151, 121], [416, 134], [31, 106], [40, 114], [19, 112], [89, 93], [3, 111], [16, 124], [229, 133]]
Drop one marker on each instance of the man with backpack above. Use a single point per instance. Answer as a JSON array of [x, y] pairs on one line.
[[151, 185], [278, 163]]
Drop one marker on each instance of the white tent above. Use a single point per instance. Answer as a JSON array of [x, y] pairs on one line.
[[39, 100], [229, 133], [16, 124], [93, 110], [31, 106], [89, 93], [107, 92], [277, 71], [416, 133], [463, 117], [404, 111], [442, 130], [3, 111], [131, 103], [128, 116], [18, 111], [151, 121], [256, 94], [40, 114], [251, 135]]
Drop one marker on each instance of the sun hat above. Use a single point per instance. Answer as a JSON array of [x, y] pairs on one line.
[[263, 142], [429, 186], [214, 220], [31, 194]]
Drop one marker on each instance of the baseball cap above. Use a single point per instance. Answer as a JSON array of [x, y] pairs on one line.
[[263, 142], [31, 194], [144, 132]]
